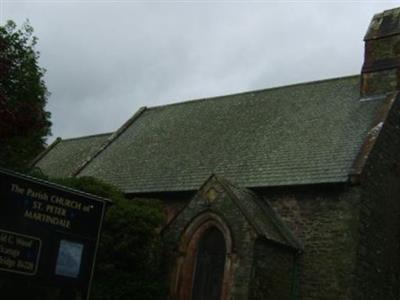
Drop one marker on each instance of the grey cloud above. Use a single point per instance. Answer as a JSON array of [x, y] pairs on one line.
[[105, 60]]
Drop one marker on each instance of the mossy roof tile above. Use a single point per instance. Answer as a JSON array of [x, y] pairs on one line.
[[65, 156], [300, 134]]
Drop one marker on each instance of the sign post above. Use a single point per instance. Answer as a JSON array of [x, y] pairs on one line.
[[49, 234]]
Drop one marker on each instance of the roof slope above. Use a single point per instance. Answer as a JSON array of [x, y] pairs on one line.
[[257, 212], [300, 134], [261, 215], [65, 156]]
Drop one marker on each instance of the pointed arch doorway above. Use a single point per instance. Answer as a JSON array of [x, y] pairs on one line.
[[209, 266], [205, 260]]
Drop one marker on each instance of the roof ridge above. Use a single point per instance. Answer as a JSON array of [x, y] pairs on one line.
[[58, 140], [42, 154], [86, 136], [110, 140], [191, 101]]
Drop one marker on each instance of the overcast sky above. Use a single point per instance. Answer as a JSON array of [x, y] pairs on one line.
[[105, 59]]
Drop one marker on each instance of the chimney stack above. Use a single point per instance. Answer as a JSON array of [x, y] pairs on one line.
[[381, 69]]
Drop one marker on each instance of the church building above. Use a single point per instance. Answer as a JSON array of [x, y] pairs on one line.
[[283, 193]]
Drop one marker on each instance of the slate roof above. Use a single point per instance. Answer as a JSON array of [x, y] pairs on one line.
[[299, 134], [63, 157]]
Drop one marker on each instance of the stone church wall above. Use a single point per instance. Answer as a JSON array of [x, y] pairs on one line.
[[273, 272], [378, 265], [325, 220]]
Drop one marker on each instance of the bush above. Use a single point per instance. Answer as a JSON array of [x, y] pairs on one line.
[[129, 263]]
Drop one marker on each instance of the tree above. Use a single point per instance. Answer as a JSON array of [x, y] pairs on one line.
[[24, 123]]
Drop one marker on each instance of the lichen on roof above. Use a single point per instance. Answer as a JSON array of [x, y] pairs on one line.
[[300, 134], [65, 156]]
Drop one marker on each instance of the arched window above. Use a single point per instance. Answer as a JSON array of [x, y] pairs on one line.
[[210, 265]]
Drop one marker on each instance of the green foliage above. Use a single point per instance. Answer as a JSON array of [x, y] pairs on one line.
[[129, 263], [24, 123]]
